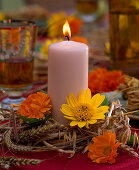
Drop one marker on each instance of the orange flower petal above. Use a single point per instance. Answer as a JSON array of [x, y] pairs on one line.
[[101, 80], [35, 105], [104, 148], [43, 110]]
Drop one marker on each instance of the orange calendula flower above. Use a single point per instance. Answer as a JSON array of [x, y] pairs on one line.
[[75, 25], [104, 148], [57, 20], [102, 80], [80, 39], [36, 105]]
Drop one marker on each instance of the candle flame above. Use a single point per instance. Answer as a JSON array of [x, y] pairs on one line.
[[66, 29]]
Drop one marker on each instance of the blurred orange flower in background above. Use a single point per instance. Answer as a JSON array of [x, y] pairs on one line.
[[36, 105], [56, 22], [80, 39], [104, 148], [102, 80], [75, 25]]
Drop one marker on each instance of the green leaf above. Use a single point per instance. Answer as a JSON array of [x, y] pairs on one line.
[[130, 142], [43, 91], [105, 102], [29, 120]]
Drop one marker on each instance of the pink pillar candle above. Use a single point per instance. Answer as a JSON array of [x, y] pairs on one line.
[[67, 73]]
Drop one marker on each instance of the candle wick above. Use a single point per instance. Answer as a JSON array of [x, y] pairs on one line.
[[67, 37]]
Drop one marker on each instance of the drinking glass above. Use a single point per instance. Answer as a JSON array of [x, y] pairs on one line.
[[87, 9], [17, 45], [124, 35]]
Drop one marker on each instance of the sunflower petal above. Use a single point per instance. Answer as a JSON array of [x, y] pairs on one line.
[[101, 116], [73, 123], [92, 121], [102, 109], [66, 109], [72, 100], [94, 98], [87, 95], [81, 97], [97, 100], [81, 124], [71, 118], [67, 100]]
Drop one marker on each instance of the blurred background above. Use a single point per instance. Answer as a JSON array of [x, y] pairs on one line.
[[110, 28], [84, 17], [51, 5], [112, 46]]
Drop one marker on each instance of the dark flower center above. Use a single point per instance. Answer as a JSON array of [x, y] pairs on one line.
[[107, 150], [82, 113]]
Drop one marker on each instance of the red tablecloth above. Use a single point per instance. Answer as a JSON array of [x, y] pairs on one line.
[[56, 161]]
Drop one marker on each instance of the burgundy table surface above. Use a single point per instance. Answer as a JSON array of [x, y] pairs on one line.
[[55, 161]]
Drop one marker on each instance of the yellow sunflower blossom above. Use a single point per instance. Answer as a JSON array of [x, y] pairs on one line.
[[2, 16], [85, 110], [55, 24]]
